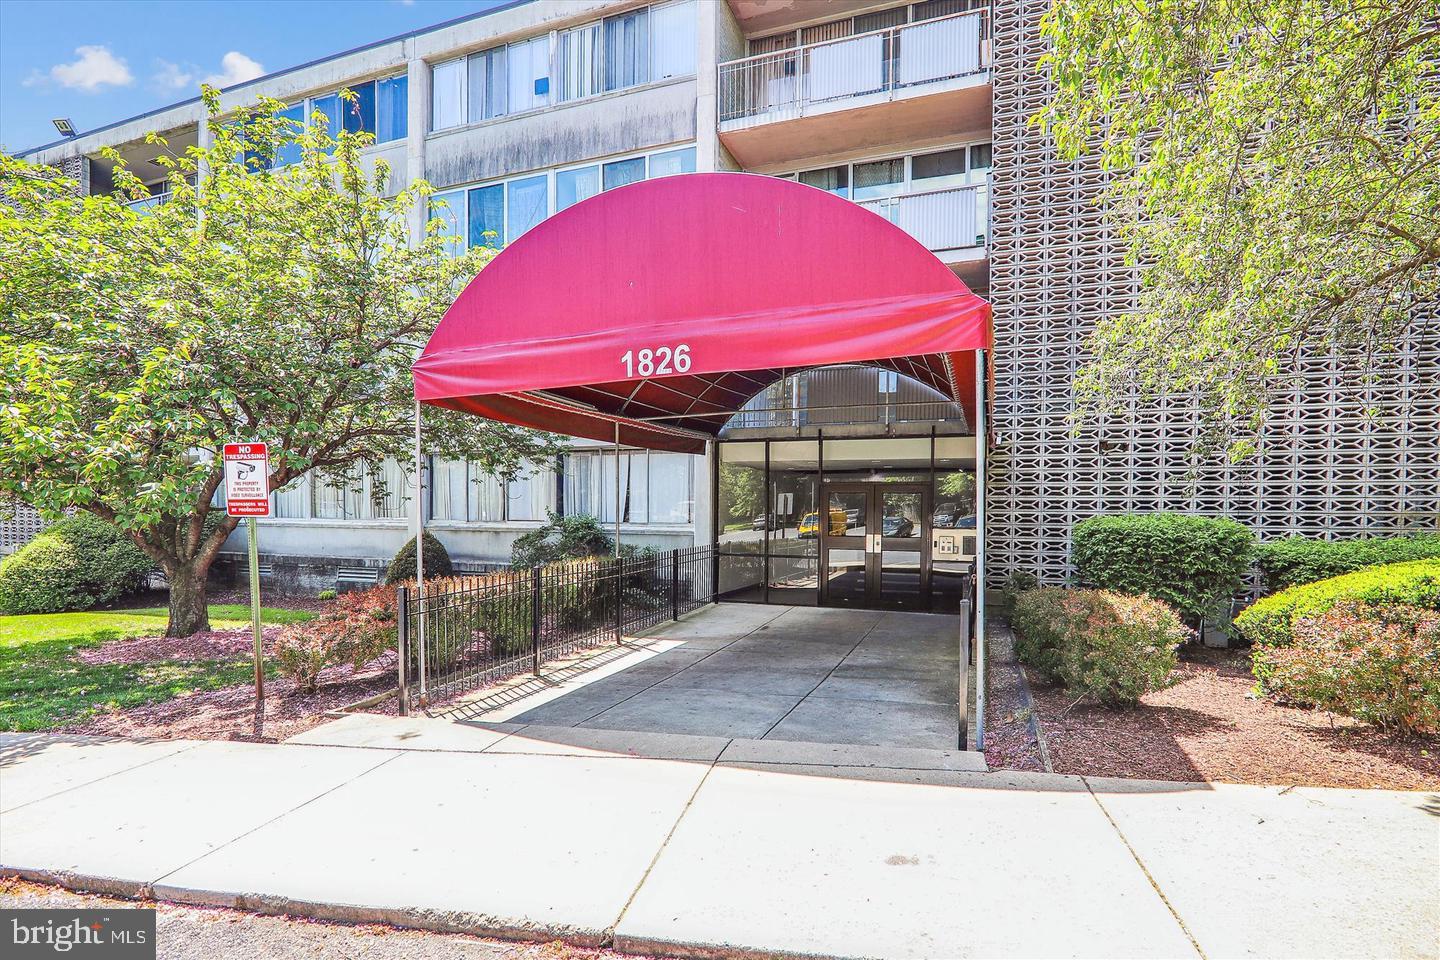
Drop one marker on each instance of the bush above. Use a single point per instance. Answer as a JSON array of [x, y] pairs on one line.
[[327, 595], [1378, 664], [1271, 620], [562, 538], [1195, 564], [355, 627], [437, 561], [78, 563], [1110, 647], [1297, 560]]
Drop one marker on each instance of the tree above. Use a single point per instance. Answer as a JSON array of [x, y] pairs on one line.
[[1276, 177], [280, 304]]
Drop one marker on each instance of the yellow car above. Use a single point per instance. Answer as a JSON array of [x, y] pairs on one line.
[[810, 523]]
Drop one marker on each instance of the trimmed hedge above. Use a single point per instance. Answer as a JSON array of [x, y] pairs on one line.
[[1271, 620], [1195, 564], [1105, 645], [76, 564], [1296, 560], [561, 538], [437, 561]]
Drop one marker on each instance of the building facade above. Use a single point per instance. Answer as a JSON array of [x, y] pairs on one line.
[[917, 111]]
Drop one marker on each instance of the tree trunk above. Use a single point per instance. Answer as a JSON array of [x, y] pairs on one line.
[[188, 612]]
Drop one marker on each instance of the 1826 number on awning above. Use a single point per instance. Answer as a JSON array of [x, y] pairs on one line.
[[659, 362]]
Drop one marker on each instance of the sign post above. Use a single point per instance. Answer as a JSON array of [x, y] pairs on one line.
[[247, 494]]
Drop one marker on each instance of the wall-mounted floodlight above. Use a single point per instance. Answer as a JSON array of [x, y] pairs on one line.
[[63, 124]]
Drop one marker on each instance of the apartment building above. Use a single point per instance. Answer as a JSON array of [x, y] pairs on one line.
[[915, 111]]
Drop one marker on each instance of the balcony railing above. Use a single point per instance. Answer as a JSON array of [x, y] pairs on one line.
[[783, 84], [941, 219], [145, 204]]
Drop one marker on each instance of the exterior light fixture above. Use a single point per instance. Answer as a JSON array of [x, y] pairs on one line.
[[63, 124]]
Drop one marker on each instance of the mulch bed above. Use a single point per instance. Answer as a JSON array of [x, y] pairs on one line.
[[1009, 742], [1210, 726]]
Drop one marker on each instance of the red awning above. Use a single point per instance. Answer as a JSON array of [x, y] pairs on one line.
[[679, 299]]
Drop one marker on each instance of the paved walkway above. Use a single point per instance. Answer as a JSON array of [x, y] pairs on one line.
[[805, 674], [759, 849]]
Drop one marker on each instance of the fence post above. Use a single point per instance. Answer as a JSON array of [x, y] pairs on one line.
[[535, 616], [674, 584], [617, 566], [402, 647]]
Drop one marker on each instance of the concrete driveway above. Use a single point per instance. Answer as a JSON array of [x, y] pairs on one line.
[[734, 850], [802, 674]]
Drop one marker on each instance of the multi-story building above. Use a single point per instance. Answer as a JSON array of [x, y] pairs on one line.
[[917, 111]]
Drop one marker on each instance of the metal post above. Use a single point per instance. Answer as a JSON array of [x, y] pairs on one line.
[[535, 616], [617, 489], [420, 548], [402, 637], [254, 549], [674, 584], [981, 443]]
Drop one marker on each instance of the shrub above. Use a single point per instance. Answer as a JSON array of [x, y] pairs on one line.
[[561, 538], [1195, 564], [355, 627], [1017, 583], [1379, 664], [78, 563], [1296, 560], [327, 595], [1110, 647], [1271, 620], [437, 561]]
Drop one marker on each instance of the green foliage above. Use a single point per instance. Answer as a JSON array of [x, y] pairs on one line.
[[1275, 169], [1015, 584], [355, 628], [1377, 663], [1297, 560], [78, 563], [437, 561], [1195, 564], [136, 343], [1107, 646], [1270, 621], [326, 595], [561, 538]]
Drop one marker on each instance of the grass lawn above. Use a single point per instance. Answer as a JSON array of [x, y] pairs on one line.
[[44, 685]]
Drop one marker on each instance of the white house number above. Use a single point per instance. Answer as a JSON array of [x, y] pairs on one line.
[[659, 362]]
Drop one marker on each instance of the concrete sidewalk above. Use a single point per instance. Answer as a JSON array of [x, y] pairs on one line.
[[698, 845]]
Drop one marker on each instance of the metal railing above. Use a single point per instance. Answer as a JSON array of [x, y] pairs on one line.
[[844, 395], [785, 82], [478, 630], [940, 219]]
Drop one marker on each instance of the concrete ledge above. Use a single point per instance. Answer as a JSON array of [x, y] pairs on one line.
[[792, 752], [597, 742]]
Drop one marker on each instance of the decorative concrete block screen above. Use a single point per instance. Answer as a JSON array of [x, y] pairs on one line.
[[1326, 469]]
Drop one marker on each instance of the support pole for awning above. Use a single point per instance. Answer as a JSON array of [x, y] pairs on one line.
[[617, 489], [981, 442], [420, 547]]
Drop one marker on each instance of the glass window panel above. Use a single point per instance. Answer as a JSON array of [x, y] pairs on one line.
[[338, 498], [392, 108], [582, 484], [529, 70], [741, 498], [673, 43], [489, 84], [981, 160], [292, 501], [531, 495], [834, 180], [572, 186], [578, 63], [879, 178], [529, 201], [289, 151], [672, 162], [447, 95], [358, 115], [389, 491], [449, 209], [487, 216], [620, 172], [487, 498], [627, 49], [448, 489], [669, 494], [936, 171]]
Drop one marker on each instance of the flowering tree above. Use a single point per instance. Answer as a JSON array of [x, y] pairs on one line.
[[279, 304]]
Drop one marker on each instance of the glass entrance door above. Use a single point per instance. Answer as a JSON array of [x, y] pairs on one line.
[[873, 539]]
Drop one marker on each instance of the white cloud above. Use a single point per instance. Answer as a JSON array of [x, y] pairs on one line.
[[94, 68], [235, 68], [172, 76]]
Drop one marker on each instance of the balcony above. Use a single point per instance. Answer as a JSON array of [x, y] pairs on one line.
[[916, 81], [954, 223]]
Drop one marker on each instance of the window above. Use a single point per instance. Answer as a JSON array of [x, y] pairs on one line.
[[670, 477], [654, 487], [620, 172], [578, 63], [834, 180], [627, 49], [447, 484], [529, 203], [936, 171], [879, 178], [292, 501], [359, 113], [488, 88], [392, 108], [338, 497], [449, 209], [671, 162], [529, 65], [329, 109], [447, 95], [530, 496], [389, 491], [981, 160], [572, 186], [289, 151], [487, 216], [486, 503], [672, 52]]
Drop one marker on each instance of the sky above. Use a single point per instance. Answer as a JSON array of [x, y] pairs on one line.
[[98, 62]]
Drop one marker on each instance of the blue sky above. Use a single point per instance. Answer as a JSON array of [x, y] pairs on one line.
[[98, 62]]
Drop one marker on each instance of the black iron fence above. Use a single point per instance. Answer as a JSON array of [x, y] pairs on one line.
[[465, 632]]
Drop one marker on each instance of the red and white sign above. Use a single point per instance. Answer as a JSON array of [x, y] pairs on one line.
[[247, 479]]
